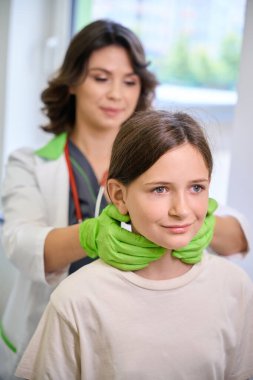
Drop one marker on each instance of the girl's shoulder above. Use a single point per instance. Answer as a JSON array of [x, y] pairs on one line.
[[82, 285], [228, 274]]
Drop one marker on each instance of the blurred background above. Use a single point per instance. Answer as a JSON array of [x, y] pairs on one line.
[[201, 52]]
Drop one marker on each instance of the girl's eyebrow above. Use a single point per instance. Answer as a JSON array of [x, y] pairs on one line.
[[200, 180], [161, 183]]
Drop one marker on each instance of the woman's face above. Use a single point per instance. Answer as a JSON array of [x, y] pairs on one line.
[[110, 91], [168, 203]]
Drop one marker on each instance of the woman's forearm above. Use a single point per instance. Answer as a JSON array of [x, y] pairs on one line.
[[62, 247], [229, 237]]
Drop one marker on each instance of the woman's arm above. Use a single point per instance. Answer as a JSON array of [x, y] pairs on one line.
[[62, 247], [229, 237], [30, 239]]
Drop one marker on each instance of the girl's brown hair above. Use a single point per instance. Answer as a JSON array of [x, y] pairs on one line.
[[146, 136], [59, 104]]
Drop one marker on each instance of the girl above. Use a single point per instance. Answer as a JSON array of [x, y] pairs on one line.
[[171, 319]]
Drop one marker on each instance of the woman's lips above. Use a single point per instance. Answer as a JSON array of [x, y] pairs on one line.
[[111, 111]]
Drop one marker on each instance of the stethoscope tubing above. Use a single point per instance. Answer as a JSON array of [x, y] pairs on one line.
[[74, 190]]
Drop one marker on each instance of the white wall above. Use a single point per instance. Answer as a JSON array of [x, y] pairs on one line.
[[240, 192], [4, 31], [38, 32], [33, 38]]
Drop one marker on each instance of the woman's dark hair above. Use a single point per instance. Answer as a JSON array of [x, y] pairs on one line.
[[146, 136], [59, 104]]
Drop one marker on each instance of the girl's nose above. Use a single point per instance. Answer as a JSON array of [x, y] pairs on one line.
[[178, 206]]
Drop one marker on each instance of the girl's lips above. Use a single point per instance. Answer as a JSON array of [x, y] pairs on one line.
[[178, 229]]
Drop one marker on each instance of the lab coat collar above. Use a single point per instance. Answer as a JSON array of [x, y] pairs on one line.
[[54, 148]]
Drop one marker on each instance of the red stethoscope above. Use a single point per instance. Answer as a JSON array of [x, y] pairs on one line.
[[78, 211]]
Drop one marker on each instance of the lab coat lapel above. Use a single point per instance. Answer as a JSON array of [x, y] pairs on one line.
[[54, 184]]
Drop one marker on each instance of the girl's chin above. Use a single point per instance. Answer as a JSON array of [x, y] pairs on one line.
[[178, 245]]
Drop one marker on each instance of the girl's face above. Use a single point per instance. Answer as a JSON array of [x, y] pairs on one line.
[[110, 91], [168, 203]]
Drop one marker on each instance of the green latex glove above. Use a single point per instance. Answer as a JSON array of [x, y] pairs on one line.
[[192, 253], [104, 237]]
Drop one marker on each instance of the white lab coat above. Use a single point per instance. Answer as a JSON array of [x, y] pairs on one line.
[[35, 200]]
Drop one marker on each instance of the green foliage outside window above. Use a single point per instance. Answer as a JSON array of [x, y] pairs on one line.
[[196, 66]]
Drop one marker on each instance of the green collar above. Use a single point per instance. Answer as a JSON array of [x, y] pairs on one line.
[[54, 148]]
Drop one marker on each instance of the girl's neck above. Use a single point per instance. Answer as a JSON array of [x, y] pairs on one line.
[[167, 267]]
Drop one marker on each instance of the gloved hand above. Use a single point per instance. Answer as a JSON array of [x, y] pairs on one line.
[[104, 237], [192, 253]]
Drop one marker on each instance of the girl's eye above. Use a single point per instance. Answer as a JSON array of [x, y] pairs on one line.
[[197, 188], [160, 190]]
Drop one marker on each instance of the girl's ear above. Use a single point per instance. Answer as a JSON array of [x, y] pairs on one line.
[[117, 194]]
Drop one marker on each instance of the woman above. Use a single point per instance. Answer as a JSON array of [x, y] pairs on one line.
[[171, 319], [103, 80]]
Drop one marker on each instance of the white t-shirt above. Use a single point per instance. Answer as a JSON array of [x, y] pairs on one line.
[[105, 324]]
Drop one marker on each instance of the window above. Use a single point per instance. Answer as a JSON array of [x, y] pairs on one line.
[[190, 43], [194, 49]]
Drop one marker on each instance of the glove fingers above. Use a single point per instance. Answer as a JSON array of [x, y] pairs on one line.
[[123, 236], [212, 206], [122, 248], [195, 246], [112, 212], [197, 243], [130, 260], [131, 265], [207, 227], [192, 258], [87, 233], [117, 233], [134, 257]]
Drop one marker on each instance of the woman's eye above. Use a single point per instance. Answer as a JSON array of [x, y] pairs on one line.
[[100, 79], [130, 82], [197, 188]]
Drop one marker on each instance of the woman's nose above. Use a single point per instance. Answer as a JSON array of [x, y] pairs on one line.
[[115, 90]]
